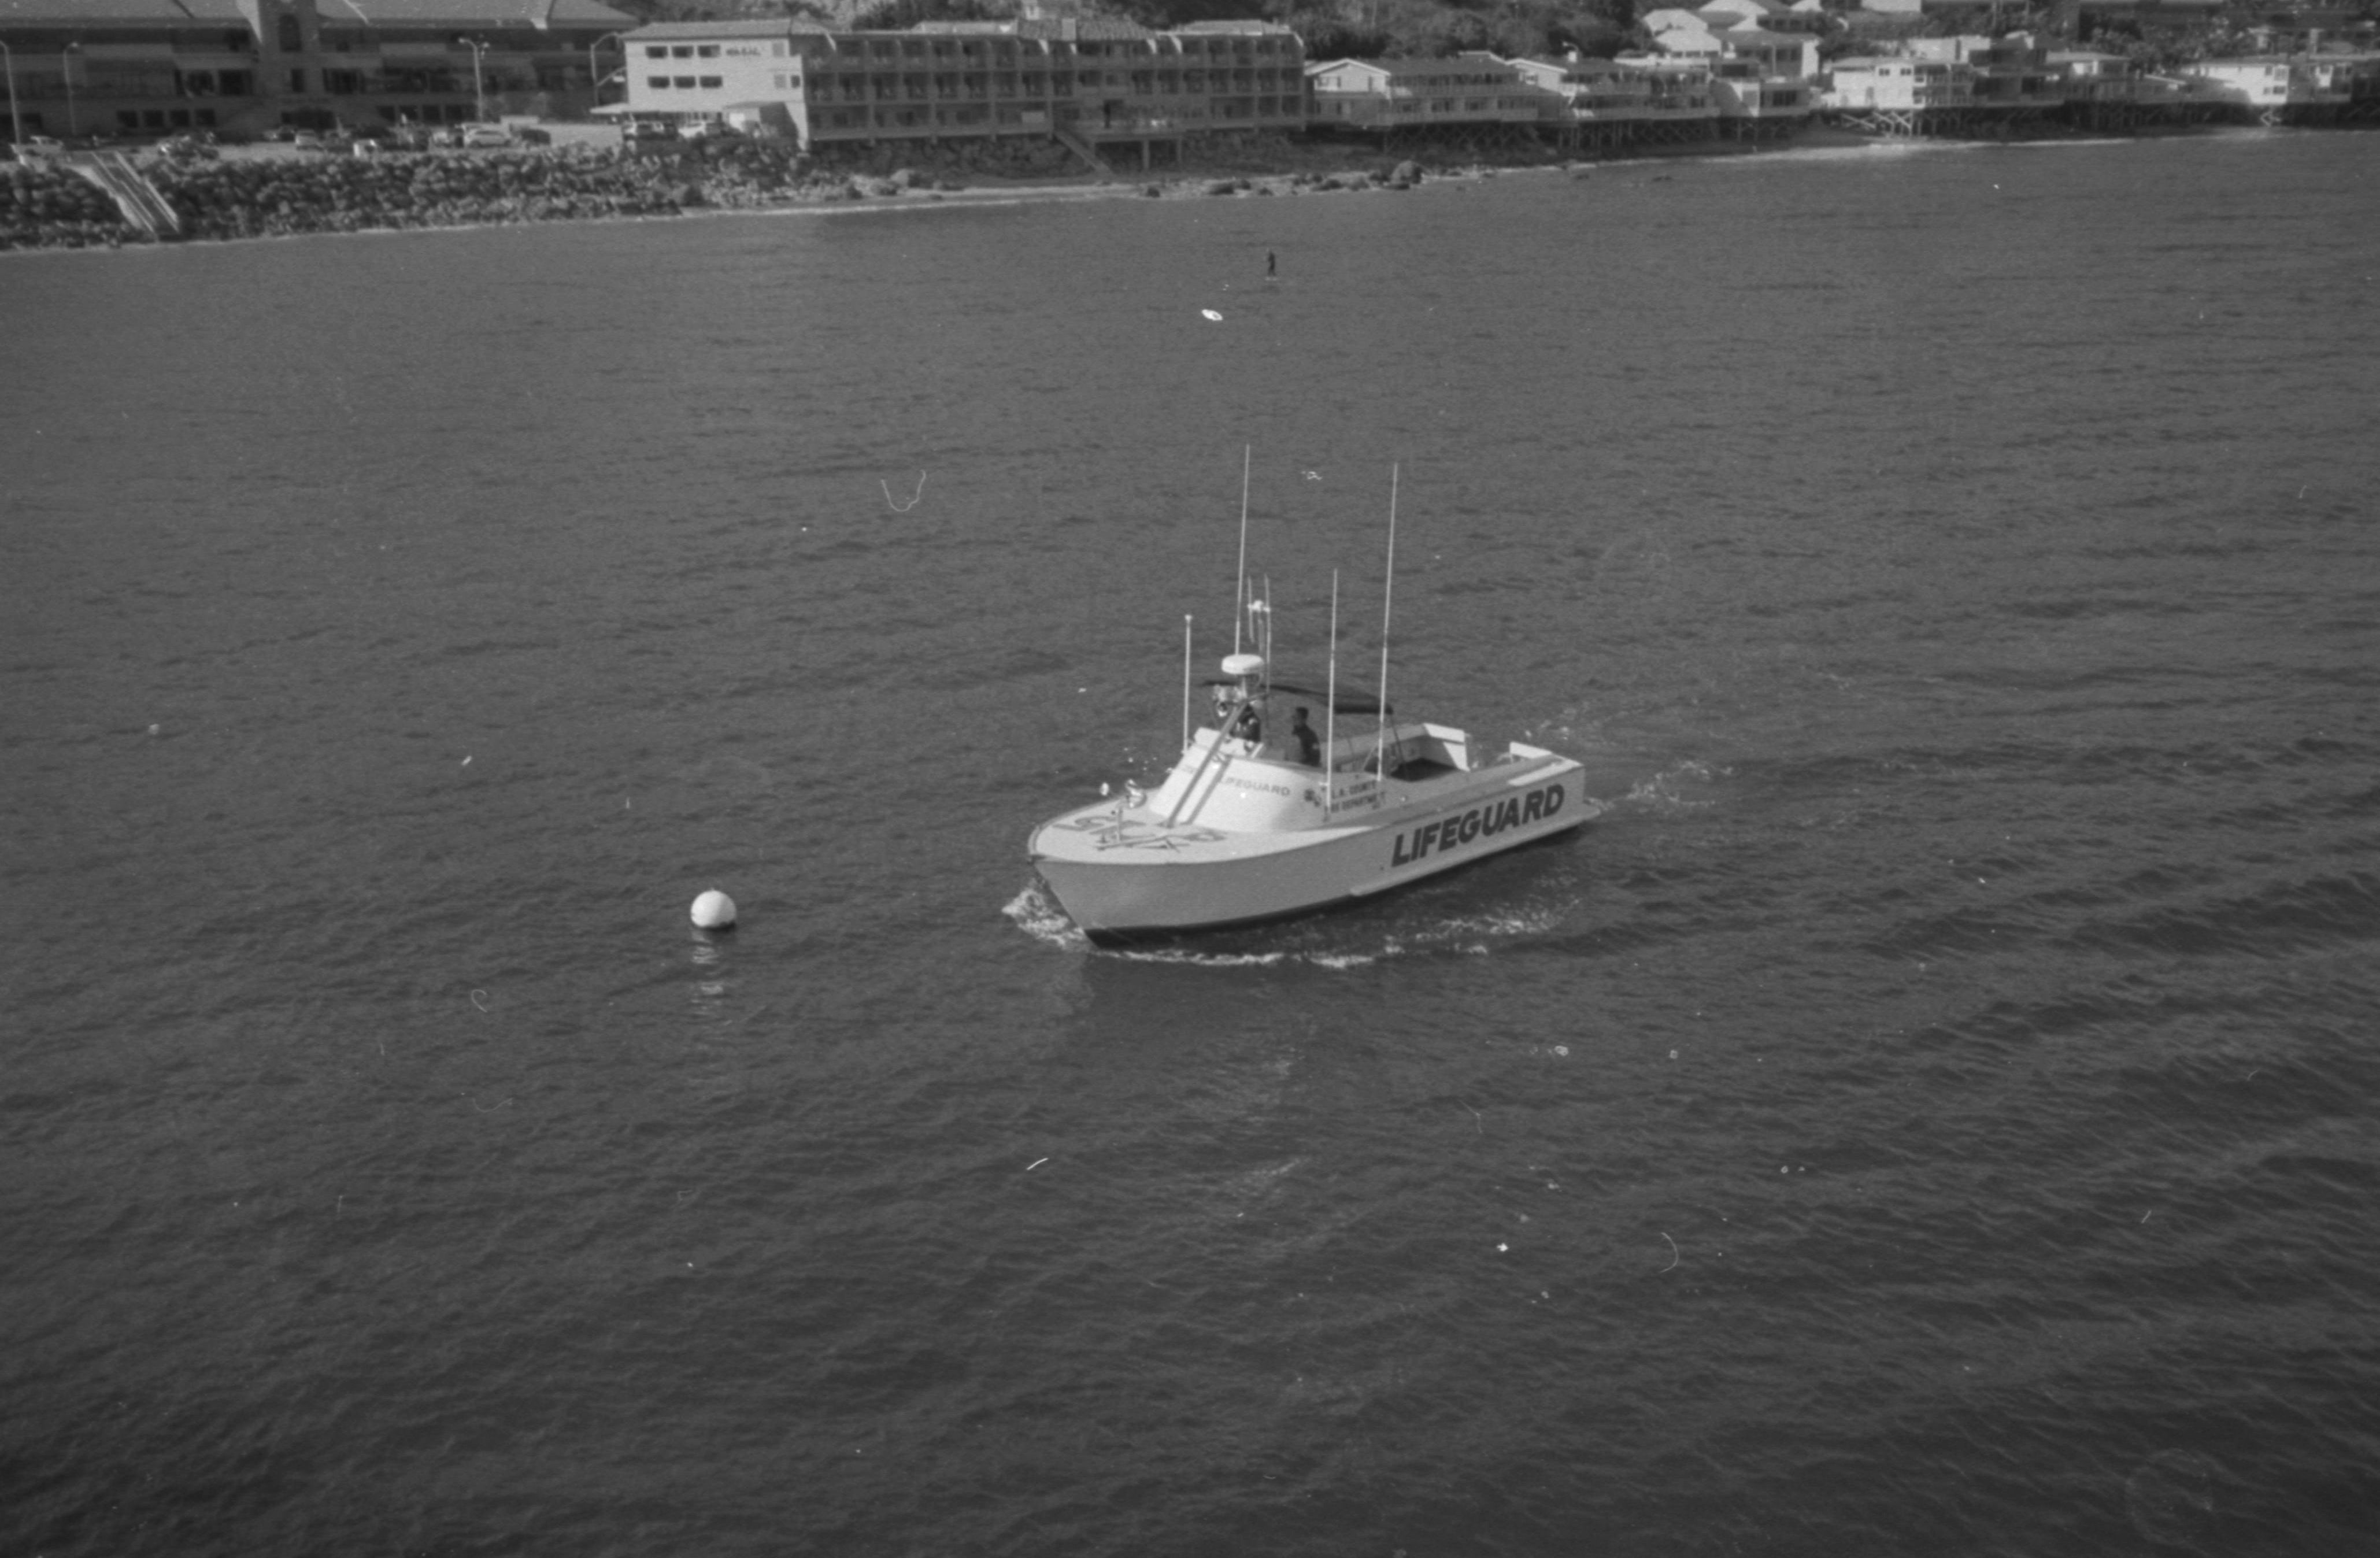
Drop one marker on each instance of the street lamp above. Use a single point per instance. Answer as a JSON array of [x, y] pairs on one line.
[[594, 81], [479, 83], [66, 68], [16, 114]]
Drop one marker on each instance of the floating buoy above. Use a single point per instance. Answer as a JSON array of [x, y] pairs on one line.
[[1212, 315], [714, 911]]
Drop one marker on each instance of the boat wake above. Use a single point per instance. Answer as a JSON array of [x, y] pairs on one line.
[[1477, 935], [1668, 790], [1036, 913]]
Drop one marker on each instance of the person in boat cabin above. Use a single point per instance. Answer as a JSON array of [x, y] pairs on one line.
[[1249, 726], [1309, 746]]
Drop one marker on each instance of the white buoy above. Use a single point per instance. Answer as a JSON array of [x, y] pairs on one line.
[[715, 912]]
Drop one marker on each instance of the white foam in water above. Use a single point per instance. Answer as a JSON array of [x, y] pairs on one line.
[[1662, 788], [1038, 915], [1042, 920], [1196, 958]]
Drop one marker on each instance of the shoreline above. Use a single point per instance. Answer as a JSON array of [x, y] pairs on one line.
[[250, 195]]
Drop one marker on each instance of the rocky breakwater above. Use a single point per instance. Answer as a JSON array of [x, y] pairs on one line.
[[267, 197], [928, 166], [43, 206], [242, 197]]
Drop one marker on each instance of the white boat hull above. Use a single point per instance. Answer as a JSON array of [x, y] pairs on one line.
[[1122, 873]]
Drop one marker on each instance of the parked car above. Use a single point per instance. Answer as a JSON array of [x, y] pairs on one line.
[[646, 129], [707, 129], [39, 146], [485, 136], [531, 135], [308, 140]]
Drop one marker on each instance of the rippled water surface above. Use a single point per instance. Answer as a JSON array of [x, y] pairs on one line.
[[1931, 1111]]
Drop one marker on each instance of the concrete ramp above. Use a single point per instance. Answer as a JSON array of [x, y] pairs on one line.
[[1084, 150], [143, 209]]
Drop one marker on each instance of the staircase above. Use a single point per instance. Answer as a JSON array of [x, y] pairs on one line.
[[1082, 149], [143, 208]]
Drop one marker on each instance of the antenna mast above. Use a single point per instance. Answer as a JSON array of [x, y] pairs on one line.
[[1186, 680], [1388, 599], [1330, 705], [1240, 584]]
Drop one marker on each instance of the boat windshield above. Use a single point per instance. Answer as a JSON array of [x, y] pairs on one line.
[[1351, 699]]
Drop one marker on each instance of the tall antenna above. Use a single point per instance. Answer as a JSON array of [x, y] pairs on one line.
[[1240, 585], [1264, 637], [1388, 599], [1331, 703], [1185, 679]]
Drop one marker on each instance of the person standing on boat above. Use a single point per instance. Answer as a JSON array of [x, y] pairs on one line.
[[1309, 746], [1249, 726]]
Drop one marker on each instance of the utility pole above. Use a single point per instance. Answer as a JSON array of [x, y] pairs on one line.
[[16, 114], [478, 81]]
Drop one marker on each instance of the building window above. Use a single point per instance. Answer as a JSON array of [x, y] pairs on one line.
[[708, 51], [685, 80], [290, 42], [682, 51], [659, 83], [711, 81], [654, 51]]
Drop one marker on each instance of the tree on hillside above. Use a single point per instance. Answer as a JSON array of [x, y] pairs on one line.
[[900, 15], [722, 10]]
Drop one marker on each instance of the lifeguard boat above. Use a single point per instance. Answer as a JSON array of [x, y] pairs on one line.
[[1257, 821]]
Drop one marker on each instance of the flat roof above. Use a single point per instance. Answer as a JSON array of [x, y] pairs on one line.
[[484, 13], [762, 27], [72, 13], [374, 13]]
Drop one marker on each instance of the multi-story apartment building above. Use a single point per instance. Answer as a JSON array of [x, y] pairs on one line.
[[1387, 96], [1102, 81], [82, 68]]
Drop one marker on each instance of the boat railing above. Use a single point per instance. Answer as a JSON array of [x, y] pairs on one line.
[[1214, 754]]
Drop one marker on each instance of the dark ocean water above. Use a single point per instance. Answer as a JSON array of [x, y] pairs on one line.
[[1933, 1112]]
